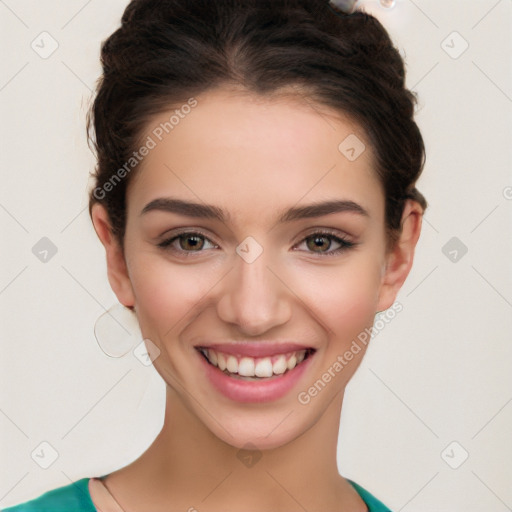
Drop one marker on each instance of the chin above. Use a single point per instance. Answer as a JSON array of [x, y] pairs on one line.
[[263, 431]]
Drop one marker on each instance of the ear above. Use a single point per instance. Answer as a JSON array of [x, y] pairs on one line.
[[116, 264], [400, 257]]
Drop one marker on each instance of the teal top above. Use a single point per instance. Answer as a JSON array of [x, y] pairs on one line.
[[75, 497]]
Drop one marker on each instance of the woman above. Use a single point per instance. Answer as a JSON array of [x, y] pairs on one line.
[[255, 195]]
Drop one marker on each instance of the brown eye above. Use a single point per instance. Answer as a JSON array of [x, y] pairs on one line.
[[187, 243], [321, 243], [192, 242], [318, 242]]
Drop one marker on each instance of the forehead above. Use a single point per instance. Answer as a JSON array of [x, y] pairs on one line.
[[236, 150]]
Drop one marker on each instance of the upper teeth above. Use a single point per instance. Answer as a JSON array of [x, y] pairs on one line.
[[250, 367]]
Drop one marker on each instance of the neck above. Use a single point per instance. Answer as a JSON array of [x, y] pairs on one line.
[[186, 460]]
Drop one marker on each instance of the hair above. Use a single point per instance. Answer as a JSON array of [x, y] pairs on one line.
[[168, 51]]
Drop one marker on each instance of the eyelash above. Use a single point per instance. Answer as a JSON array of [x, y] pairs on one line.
[[344, 243]]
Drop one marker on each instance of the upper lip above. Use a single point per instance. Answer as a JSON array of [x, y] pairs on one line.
[[255, 348]]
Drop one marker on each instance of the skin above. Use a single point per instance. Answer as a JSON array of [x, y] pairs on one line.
[[253, 157]]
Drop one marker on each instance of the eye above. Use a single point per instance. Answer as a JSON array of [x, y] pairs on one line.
[[320, 242], [187, 242]]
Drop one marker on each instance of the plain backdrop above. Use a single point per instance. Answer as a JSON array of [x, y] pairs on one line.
[[427, 419]]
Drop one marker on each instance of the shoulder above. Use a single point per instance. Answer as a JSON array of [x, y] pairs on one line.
[[74, 497], [374, 505]]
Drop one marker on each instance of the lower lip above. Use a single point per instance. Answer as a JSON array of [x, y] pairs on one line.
[[255, 391]]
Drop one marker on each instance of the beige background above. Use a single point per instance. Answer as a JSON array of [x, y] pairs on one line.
[[438, 373]]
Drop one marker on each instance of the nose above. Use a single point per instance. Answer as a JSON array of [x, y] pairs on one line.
[[254, 297]]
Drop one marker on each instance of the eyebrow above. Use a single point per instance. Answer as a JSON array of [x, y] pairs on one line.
[[205, 211]]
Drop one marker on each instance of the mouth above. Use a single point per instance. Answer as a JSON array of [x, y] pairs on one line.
[[255, 369], [256, 372]]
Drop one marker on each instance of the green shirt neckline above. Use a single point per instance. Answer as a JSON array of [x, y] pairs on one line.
[[75, 497]]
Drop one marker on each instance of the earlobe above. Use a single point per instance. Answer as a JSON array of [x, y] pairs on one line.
[[400, 258], [117, 270]]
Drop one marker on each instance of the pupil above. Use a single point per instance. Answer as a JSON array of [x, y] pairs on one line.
[[195, 241], [320, 241]]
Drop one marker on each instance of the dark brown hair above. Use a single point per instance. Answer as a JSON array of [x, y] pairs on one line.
[[168, 51]]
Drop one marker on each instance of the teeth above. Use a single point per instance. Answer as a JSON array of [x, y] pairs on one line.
[[280, 366], [250, 367], [212, 356], [263, 368], [221, 360], [246, 367], [232, 364]]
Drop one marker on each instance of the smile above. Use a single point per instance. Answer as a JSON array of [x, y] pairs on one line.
[[256, 373], [255, 368]]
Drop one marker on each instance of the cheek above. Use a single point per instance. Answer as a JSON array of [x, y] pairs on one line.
[[343, 298], [355, 305], [166, 293]]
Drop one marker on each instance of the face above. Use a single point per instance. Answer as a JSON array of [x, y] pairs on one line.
[[275, 272]]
